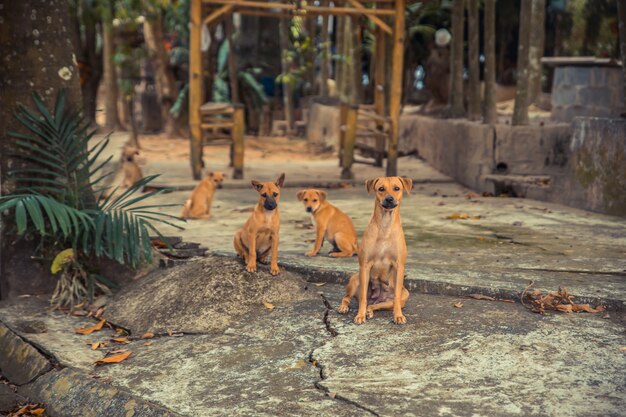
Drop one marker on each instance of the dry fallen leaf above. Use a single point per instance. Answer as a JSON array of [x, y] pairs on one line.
[[120, 339], [269, 306], [37, 411], [147, 343], [91, 329], [147, 335], [99, 312], [458, 216], [95, 345], [114, 359], [332, 394], [320, 284], [623, 349], [458, 304], [78, 313]]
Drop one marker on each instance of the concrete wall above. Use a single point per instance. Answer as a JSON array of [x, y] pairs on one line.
[[587, 91], [595, 176]]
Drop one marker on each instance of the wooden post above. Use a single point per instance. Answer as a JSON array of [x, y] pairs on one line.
[[350, 140], [379, 93], [343, 114], [455, 100], [238, 133], [621, 11], [232, 65], [395, 102], [196, 96], [326, 54], [490, 115], [520, 111]]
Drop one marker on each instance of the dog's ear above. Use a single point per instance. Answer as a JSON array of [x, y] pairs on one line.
[[210, 174], [322, 195], [281, 180], [370, 185], [257, 185], [301, 195], [407, 183]]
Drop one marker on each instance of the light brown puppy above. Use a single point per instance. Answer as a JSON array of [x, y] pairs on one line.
[[198, 205], [331, 223], [132, 172], [259, 235], [382, 255]]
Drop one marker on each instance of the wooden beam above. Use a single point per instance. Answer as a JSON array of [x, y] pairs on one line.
[[343, 114], [375, 19], [217, 14], [241, 4], [350, 140], [395, 101], [196, 96], [238, 146]]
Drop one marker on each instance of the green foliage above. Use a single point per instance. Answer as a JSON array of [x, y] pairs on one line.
[[54, 197]]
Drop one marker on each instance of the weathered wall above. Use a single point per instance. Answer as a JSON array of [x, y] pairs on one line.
[[595, 176], [587, 91]]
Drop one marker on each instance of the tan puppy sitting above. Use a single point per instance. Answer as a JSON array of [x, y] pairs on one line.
[[382, 255], [198, 205], [132, 172], [331, 223], [259, 235]]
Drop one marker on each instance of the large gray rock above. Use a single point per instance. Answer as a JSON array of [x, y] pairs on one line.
[[20, 363], [206, 295]]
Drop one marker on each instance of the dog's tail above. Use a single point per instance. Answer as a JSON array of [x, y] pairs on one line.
[[186, 209]]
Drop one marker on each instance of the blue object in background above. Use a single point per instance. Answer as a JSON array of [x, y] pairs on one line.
[[269, 85]]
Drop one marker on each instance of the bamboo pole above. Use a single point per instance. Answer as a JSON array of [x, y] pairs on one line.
[[217, 14], [396, 88], [343, 114], [379, 92], [350, 140], [375, 19], [238, 147], [196, 95], [325, 46], [304, 9]]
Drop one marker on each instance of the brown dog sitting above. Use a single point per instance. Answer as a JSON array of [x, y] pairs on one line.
[[331, 223], [259, 235], [132, 172], [382, 255], [198, 205]]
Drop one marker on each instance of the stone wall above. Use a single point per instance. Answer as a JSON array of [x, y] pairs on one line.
[[587, 91], [595, 176]]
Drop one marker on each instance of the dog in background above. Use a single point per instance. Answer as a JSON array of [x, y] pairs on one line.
[[382, 255], [331, 223], [132, 172], [259, 235], [198, 205]]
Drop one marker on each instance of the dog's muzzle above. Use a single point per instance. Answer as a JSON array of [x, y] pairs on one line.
[[220, 186], [389, 203], [309, 209], [269, 205]]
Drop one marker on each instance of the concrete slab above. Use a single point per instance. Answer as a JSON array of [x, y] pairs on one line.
[[20, 363], [513, 241]]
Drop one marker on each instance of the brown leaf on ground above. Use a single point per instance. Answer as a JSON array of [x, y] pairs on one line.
[[471, 195], [159, 244], [462, 216], [147, 335], [140, 275], [114, 359], [28, 410], [78, 313], [99, 312], [486, 297], [458, 304], [320, 284], [148, 344], [120, 339], [91, 329], [560, 300], [269, 306], [623, 349]]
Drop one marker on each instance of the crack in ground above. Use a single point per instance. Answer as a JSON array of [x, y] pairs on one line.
[[329, 328]]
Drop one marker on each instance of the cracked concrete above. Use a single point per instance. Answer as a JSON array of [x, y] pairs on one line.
[[303, 358]]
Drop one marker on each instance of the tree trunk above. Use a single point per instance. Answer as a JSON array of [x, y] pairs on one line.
[[490, 114], [287, 86], [357, 64], [346, 90], [325, 47], [165, 83], [474, 66], [535, 49], [339, 30], [37, 56], [520, 112], [110, 76], [457, 108], [621, 10]]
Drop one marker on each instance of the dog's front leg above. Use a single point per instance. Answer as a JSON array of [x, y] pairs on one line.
[[398, 317], [319, 240], [364, 279], [251, 267], [274, 270]]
